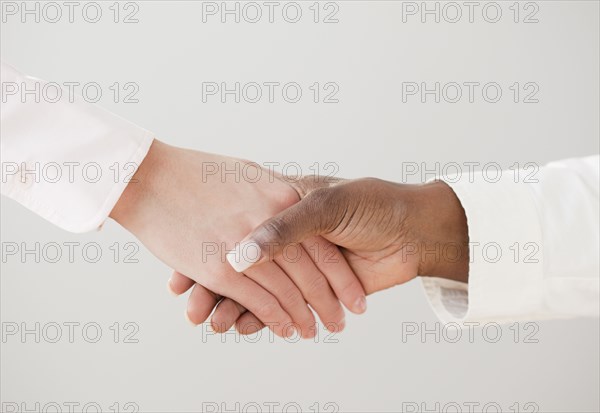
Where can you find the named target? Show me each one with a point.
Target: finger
(332, 263)
(256, 299)
(296, 262)
(248, 324)
(272, 278)
(200, 304)
(225, 315)
(300, 221)
(179, 283)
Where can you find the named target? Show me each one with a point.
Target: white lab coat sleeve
(534, 245)
(66, 160)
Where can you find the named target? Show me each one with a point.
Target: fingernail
(244, 255)
(187, 317)
(360, 305)
(214, 327)
(336, 327)
(173, 293)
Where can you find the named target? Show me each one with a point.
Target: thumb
(293, 225)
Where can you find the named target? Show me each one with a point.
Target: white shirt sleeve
(534, 245)
(66, 160)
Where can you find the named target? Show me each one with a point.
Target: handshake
(268, 252)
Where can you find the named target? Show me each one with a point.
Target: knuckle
(293, 297)
(305, 185)
(329, 206)
(267, 310)
(273, 231)
(349, 288)
(320, 196)
(317, 288)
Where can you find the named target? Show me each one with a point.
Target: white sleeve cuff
(67, 161)
(505, 254)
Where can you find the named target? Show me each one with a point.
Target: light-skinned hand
(189, 217)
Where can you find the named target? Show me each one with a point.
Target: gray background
(368, 53)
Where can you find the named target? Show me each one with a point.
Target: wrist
(139, 188)
(444, 239)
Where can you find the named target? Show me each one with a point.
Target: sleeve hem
(504, 284)
(97, 218)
